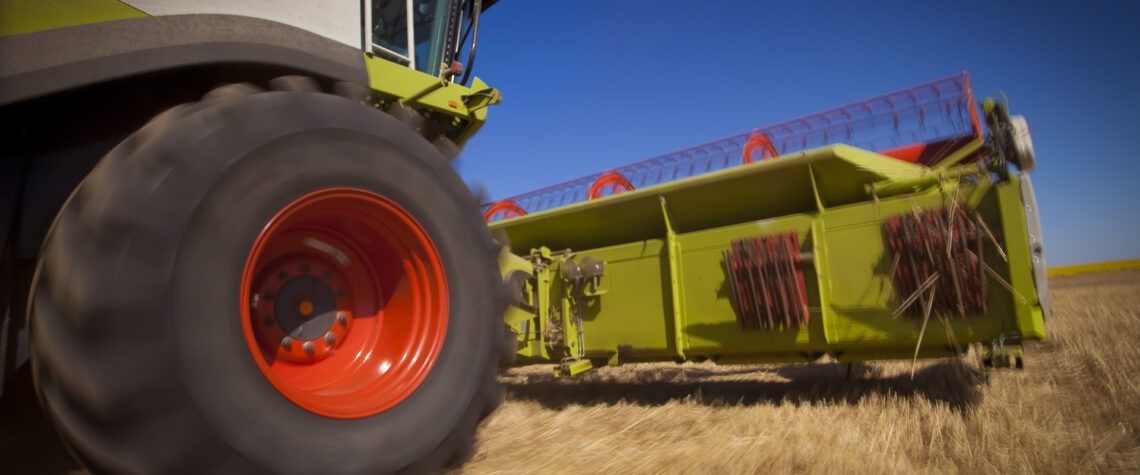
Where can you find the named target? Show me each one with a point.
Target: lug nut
(341, 318)
(309, 347)
(330, 338)
(286, 343)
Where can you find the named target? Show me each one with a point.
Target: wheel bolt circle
(289, 311)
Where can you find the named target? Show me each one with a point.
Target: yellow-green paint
(1094, 267)
(640, 261)
(27, 16)
(711, 323)
(668, 298)
(573, 367)
(468, 105)
(676, 288)
(1020, 268)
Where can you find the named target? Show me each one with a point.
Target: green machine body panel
(435, 98)
(464, 107)
(26, 16)
(666, 291)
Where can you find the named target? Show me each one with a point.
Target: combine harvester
(887, 228)
(231, 239)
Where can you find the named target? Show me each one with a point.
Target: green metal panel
(643, 265)
(712, 327)
(862, 300)
(1030, 319)
(27, 16)
(468, 106)
(668, 296)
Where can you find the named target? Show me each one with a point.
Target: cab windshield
(428, 31)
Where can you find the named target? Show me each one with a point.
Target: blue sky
(592, 85)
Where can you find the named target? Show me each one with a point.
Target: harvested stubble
(1074, 409)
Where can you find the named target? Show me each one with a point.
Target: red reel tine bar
(921, 124)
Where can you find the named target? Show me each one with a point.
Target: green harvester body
(666, 288)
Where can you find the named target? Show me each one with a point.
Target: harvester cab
(431, 27)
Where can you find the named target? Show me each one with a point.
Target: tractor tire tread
(82, 344)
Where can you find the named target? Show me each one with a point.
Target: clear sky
(591, 85)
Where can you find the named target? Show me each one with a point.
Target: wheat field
(1075, 408)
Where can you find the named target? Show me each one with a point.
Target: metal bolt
(330, 338)
(309, 347)
(341, 318)
(305, 268)
(286, 343)
(327, 275)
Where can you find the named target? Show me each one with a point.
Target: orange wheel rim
(344, 303)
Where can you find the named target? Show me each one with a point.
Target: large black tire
(139, 355)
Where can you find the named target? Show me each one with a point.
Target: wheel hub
(301, 310)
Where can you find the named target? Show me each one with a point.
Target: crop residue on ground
(1074, 409)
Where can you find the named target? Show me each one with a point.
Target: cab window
(390, 32)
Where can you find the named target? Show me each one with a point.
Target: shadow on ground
(952, 383)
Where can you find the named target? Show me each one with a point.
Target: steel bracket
(1004, 352)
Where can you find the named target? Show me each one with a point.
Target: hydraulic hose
(476, 10)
